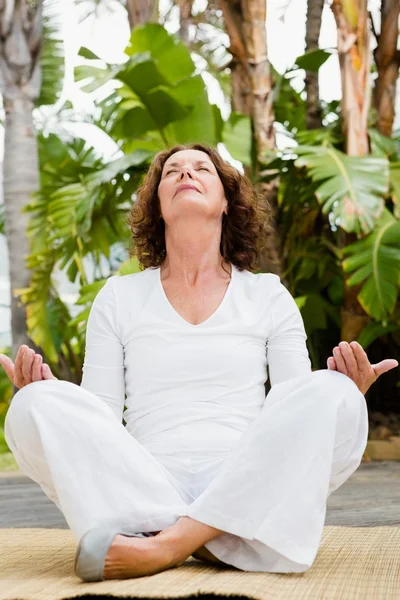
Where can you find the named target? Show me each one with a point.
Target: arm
(103, 369)
(287, 352)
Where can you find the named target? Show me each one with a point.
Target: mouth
(186, 187)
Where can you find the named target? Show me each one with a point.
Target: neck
(193, 257)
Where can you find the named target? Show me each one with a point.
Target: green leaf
(98, 76)
(86, 53)
(381, 145)
(199, 125)
(352, 187)
(129, 266)
(164, 108)
(52, 61)
(120, 165)
(395, 187)
(151, 141)
(375, 261)
(313, 59)
(141, 74)
(372, 331)
(289, 106)
(315, 310)
(218, 122)
(170, 54)
(237, 137)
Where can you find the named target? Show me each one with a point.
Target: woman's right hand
(28, 367)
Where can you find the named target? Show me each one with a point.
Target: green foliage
(237, 137)
(80, 210)
(313, 59)
(375, 262)
(374, 330)
(352, 187)
(289, 105)
(159, 100)
(321, 188)
(5, 399)
(52, 58)
(7, 461)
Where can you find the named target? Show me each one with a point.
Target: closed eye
(174, 170)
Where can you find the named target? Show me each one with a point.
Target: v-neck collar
(219, 308)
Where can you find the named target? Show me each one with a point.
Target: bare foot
(130, 557)
(136, 557)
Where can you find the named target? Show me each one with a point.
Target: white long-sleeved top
(191, 389)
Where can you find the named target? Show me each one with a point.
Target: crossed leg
(264, 510)
(70, 443)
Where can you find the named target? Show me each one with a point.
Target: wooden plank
(369, 498)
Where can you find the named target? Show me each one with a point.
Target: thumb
(384, 366)
(8, 366)
(46, 372)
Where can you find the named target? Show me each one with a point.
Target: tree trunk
(354, 59)
(245, 22)
(20, 80)
(141, 11)
(387, 59)
(355, 62)
(185, 19)
(313, 28)
(241, 88)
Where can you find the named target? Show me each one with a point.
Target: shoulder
(268, 294)
(121, 284)
(260, 283)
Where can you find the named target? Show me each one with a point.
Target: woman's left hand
(352, 360)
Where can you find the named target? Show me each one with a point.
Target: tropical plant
(80, 211)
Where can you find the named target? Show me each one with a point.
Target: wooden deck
(371, 497)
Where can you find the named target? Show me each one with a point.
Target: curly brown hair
(244, 228)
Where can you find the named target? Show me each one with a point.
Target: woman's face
(202, 195)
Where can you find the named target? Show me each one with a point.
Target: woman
(206, 465)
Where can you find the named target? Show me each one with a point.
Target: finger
(331, 362)
(384, 366)
(341, 365)
(27, 365)
(18, 375)
(8, 366)
(46, 372)
(349, 358)
(36, 368)
(361, 357)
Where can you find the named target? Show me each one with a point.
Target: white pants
(268, 496)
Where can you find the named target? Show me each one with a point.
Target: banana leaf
(375, 263)
(352, 187)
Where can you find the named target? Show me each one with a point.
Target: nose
(186, 169)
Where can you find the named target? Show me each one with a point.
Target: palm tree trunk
(355, 62)
(245, 22)
(313, 28)
(241, 88)
(141, 11)
(354, 59)
(387, 59)
(21, 25)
